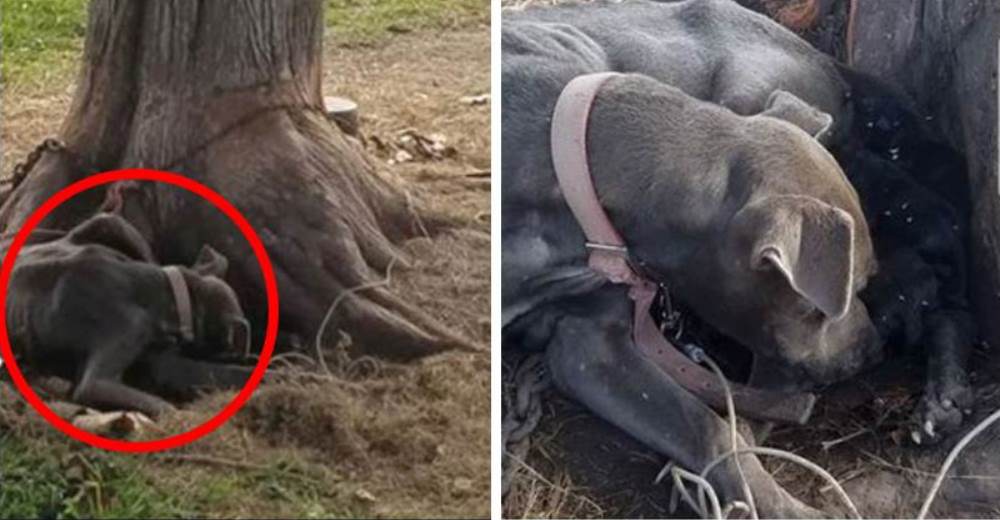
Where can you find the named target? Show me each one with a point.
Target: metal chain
(523, 411)
(54, 145)
(22, 169)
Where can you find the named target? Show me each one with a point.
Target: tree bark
(229, 93)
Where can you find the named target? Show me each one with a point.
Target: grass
(45, 478)
(42, 38)
(37, 483)
(355, 22)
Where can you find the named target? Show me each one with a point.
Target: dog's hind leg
(99, 383)
(592, 358)
(115, 232)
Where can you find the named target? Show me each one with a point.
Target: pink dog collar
(182, 299)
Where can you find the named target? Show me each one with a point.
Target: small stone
(402, 156)
(364, 495)
(462, 484)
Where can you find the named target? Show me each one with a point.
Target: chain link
(523, 411)
(22, 169)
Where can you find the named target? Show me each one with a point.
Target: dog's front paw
(940, 412)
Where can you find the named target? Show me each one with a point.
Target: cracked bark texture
(229, 93)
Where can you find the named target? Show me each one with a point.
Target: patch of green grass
(42, 38)
(60, 483)
(358, 22)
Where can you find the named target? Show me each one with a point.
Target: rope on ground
(705, 487)
(797, 459)
(337, 301)
(521, 416)
(925, 509)
(733, 432)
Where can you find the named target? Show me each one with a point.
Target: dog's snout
(868, 352)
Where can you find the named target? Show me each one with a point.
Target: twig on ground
(826, 445)
(920, 473)
(534, 473)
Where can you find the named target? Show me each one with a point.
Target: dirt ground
(380, 440)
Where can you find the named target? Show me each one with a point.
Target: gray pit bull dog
(748, 220)
(93, 307)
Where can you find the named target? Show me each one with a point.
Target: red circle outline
(270, 285)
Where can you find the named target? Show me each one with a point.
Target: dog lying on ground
(92, 307)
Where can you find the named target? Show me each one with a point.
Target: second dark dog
(918, 298)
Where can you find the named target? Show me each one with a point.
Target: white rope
(951, 460)
(733, 433)
(798, 459)
(705, 488)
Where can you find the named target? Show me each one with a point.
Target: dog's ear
(811, 244)
(788, 107)
(210, 262)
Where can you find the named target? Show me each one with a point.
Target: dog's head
(784, 271)
(219, 323)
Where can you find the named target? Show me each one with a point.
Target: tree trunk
(229, 93)
(944, 54)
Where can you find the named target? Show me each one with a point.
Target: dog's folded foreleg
(175, 374)
(592, 359)
(948, 396)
